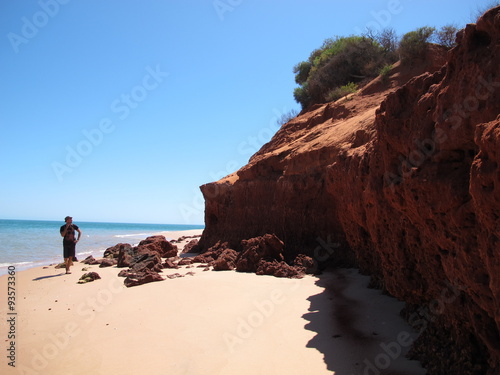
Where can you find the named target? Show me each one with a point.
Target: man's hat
(67, 217)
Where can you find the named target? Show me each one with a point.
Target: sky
(118, 110)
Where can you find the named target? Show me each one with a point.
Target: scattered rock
(149, 260)
(306, 263)
(91, 260)
(125, 273)
(114, 251)
(157, 244)
(267, 248)
(125, 256)
(188, 248)
(170, 264)
(211, 254)
(174, 275)
(143, 277)
(279, 269)
(108, 262)
(88, 277)
(226, 260)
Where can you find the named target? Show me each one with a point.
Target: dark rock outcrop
(107, 262)
(158, 244)
(211, 253)
(402, 181)
(264, 255)
(125, 256)
(91, 260)
(114, 251)
(144, 261)
(190, 247)
(226, 261)
(267, 248)
(170, 264)
(150, 261)
(278, 269)
(305, 263)
(141, 277)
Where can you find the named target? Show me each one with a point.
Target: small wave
(131, 235)
(14, 264)
(86, 252)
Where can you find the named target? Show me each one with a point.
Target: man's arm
(63, 232)
(79, 234)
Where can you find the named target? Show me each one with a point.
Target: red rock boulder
(190, 247)
(212, 253)
(143, 277)
(151, 261)
(125, 256)
(114, 251)
(157, 244)
(107, 262)
(267, 247)
(279, 269)
(226, 260)
(91, 260)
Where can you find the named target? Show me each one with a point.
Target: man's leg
(68, 263)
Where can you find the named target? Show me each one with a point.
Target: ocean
(31, 243)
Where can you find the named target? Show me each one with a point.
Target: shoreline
(207, 322)
(98, 253)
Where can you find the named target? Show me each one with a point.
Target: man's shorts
(69, 249)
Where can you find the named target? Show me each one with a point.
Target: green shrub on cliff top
(340, 92)
(385, 71)
(301, 71)
(338, 62)
(414, 43)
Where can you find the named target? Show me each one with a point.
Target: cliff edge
(401, 180)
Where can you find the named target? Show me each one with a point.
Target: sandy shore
(208, 323)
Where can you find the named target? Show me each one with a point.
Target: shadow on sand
(351, 322)
(48, 277)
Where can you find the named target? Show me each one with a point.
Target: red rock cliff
(402, 180)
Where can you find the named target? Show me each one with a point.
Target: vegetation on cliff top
(335, 69)
(343, 62)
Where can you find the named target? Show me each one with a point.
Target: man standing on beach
(69, 242)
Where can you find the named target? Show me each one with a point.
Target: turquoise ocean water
(31, 243)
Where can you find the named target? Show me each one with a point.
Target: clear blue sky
(119, 110)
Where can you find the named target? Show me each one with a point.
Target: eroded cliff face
(402, 180)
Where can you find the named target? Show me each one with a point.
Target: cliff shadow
(357, 328)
